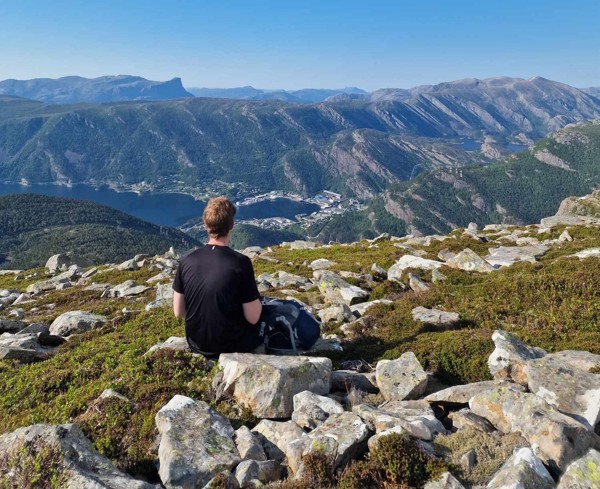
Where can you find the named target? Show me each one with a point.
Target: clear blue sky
(295, 44)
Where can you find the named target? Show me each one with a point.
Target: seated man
(215, 290)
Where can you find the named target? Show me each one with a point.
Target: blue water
(163, 209)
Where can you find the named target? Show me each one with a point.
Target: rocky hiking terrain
(463, 360)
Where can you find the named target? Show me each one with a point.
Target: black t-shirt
(216, 281)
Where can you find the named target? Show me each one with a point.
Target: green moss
(34, 465)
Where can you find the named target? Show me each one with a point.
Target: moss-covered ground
(553, 304)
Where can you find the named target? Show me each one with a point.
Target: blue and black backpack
(287, 326)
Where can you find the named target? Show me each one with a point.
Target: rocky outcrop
(434, 316)
(337, 291)
(312, 410)
(470, 261)
(57, 263)
(196, 443)
(557, 438)
(267, 384)
(583, 473)
(570, 390)
(80, 465)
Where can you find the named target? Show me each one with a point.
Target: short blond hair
(218, 217)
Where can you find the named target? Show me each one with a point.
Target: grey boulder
(337, 291)
(470, 261)
(73, 322)
(583, 473)
(524, 470)
(196, 443)
(312, 410)
(266, 384)
(508, 359)
(400, 379)
(434, 316)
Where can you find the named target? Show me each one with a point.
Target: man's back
(216, 281)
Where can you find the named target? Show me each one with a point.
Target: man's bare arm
(252, 311)
(179, 305)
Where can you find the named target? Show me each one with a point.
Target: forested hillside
(357, 147)
(34, 227)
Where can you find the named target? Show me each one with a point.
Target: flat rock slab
(85, 467)
(361, 309)
(522, 469)
(266, 384)
(589, 253)
(461, 394)
(572, 391)
(434, 316)
(196, 443)
(508, 359)
(73, 322)
(470, 261)
(557, 439)
(505, 256)
(127, 288)
(400, 379)
(410, 261)
(321, 264)
(24, 348)
(337, 291)
(583, 473)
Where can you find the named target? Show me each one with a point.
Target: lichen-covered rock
(508, 359)
(583, 473)
(524, 470)
(83, 467)
(336, 314)
(266, 384)
(196, 443)
(434, 316)
(176, 343)
(275, 436)
(400, 379)
(251, 473)
(409, 261)
(340, 438)
(73, 322)
(127, 288)
(362, 308)
(249, 445)
(312, 410)
(445, 481)
(505, 256)
(337, 291)
(557, 439)
(572, 391)
(470, 261)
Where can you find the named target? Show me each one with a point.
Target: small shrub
(396, 461)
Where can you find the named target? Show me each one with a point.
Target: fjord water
(169, 209)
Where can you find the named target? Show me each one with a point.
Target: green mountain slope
(521, 189)
(358, 147)
(34, 227)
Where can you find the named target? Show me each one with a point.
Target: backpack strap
(292, 338)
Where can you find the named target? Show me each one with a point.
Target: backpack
(287, 326)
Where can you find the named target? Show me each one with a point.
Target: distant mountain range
(304, 96)
(75, 89)
(357, 147)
